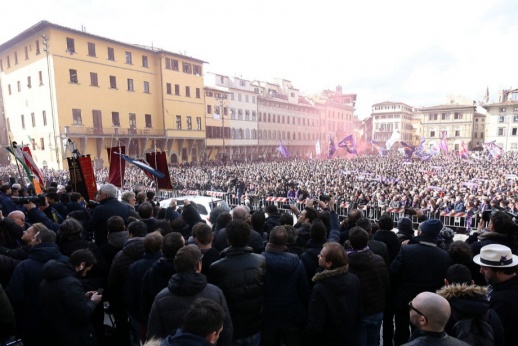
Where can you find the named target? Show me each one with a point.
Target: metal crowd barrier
(461, 222)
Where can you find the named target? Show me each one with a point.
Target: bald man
(429, 313)
(256, 240)
(19, 218)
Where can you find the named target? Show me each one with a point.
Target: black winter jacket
(107, 208)
(417, 268)
(422, 338)
(390, 239)
(65, 306)
(286, 290)
(132, 251)
(469, 301)
(155, 280)
(374, 279)
(240, 275)
(503, 298)
(334, 310)
(24, 288)
(172, 302)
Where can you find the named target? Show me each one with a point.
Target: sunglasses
(419, 312)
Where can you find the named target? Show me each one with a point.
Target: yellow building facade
(62, 85)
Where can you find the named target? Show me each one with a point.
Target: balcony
(110, 132)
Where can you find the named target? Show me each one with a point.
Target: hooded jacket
(334, 309)
(469, 301)
(132, 251)
(24, 287)
(286, 290)
(172, 302)
(240, 275)
(68, 312)
(374, 279)
(155, 280)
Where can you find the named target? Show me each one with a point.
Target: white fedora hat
(497, 256)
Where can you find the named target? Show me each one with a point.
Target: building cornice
(37, 28)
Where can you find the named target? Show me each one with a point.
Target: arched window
(265, 134)
(283, 134)
(233, 133)
(269, 117)
(254, 134)
(260, 134)
(269, 134)
(241, 134)
(279, 134)
(260, 115)
(274, 135)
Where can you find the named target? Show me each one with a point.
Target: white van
(204, 204)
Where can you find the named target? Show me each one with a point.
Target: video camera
(38, 200)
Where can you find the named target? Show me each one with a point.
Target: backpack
(474, 331)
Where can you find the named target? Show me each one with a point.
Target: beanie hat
(431, 228)
(271, 209)
(214, 213)
(404, 226)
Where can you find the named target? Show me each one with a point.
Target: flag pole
(156, 167)
(14, 145)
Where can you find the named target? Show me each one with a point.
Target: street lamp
(221, 98)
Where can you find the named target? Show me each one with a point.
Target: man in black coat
(157, 277)
(385, 235)
(255, 241)
(66, 306)
(134, 282)
(374, 279)
(286, 293)
(132, 251)
(468, 301)
(109, 206)
(417, 268)
(240, 275)
(23, 288)
(145, 211)
(499, 266)
(184, 287)
(335, 301)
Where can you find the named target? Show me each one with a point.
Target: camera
(38, 200)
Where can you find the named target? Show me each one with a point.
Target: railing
(110, 131)
(459, 222)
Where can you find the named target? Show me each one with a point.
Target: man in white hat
(499, 265)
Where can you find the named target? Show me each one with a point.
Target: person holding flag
(283, 151)
(377, 146)
(463, 152)
(443, 144)
(349, 144)
(332, 147)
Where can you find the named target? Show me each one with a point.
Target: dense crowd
(271, 278)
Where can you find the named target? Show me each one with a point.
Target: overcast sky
(416, 52)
